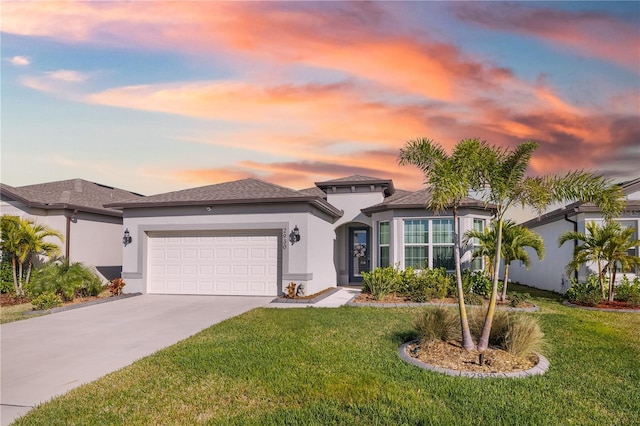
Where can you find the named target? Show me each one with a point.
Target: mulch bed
(611, 305)
(9, 300)
(453, 356)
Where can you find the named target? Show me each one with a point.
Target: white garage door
(213, 264)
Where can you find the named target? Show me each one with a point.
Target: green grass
(15, 313)
(340, 366)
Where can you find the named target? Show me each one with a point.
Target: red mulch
(612, 305)
(9, 300)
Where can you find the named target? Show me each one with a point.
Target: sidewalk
(335, 300)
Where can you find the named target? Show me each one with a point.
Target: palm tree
(504, 173)
(616, 254)
(591, 249)
(34, 237)
(514, 240)
(10, 243)
(22, 239)
(486, 245)
(450, 178)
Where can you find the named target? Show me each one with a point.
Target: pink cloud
(593, 34)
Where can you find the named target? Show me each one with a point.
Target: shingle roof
(245, 191)
(416, 199)
(387, 184)
(72, 193)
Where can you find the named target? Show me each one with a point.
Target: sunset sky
(160, 96)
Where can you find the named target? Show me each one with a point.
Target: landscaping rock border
(591, 308)
(307, 301)
(539, 369)
(351, 302)
(82, 305)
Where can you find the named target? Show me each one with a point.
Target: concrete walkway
(47, 356)
(335, 300)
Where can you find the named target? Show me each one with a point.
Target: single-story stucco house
(550, 273)
(251, 237)
(75, 207)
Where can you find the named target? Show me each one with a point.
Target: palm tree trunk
(29, 266)
(19, 291)
(613, 281)
(601, 277)
(503, 296)
(15, 276)
(483, 342)
(467, 341)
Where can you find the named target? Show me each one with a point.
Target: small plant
(480, 284)
(116, 286)
(585, 293)
(293, 290)
(69, 280)
(517, 299)
(46, 300)
(437, 324)
(628, 291)
(430, 284)
(473, 299)
(380, 282)
(523, 336)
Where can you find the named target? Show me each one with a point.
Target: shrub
(480, 284)
(6, 276)
(523, 336)
(406, 281)
(473, 299)
(520, 335)
(516, 299)
(628, 291)
(430, 284)
(380, 282)
(585, 293)
(67, 280)
(46, 300)
(116, 286)
(437, 323)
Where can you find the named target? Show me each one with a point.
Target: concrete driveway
(47, 356)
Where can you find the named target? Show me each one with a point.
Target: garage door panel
(229, 265)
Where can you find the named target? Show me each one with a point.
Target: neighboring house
(550, 273)
(250, 237)
(92, 233)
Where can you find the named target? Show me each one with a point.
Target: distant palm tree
(485, 242)
(450, 178)
(21, 240)
(592, 248)
(609, 244)
(514, 240)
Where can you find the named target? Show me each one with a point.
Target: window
(443, 244)
(633, 251)
(476, 264)
(383, 244)
(416, 243)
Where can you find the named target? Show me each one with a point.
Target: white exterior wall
(550, 273)
(307, 262)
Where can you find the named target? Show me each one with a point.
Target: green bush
(516, 299)
(430, 284)
(628, 291)
(523, 336)
(406, 282)
(480, 284)
(473, 299)
(380, 282)
(65, 279)
(46, 300)
(585, 293)
(437, 323)
(6, 276)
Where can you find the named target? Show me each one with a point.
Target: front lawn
(340, 366)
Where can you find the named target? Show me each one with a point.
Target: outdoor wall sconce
(294, 236)
(126, 239)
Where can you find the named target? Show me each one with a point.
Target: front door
(359, 253)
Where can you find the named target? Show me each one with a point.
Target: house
(92, 233)
(550, 273)
(251, 237)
